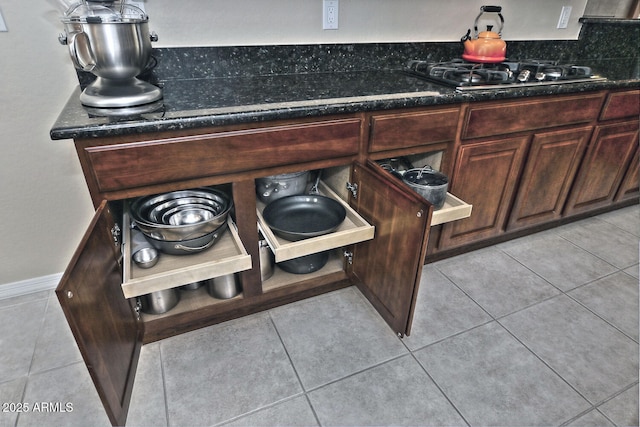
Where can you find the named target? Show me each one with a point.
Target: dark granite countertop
(212, 86)
(196, 103)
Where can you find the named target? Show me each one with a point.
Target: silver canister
(267, 260)
(159, 302)
(193, 286)
(142, 251)
(224, 287)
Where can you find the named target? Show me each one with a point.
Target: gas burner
(474, 76)
(470, 77)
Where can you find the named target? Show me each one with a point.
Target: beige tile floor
(538, 331)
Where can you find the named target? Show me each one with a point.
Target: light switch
(3, 25)
(565, 14)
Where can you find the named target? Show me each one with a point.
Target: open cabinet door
(103, 322)
(387, 269)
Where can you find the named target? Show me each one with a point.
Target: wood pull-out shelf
(354, 229)
(226, 256)
(453, 209)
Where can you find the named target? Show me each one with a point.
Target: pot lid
(425, 176)
(96, 12)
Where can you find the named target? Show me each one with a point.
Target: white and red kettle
(486, 46)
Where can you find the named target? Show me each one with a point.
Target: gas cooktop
(465, 76)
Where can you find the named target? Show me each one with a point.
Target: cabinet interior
(454, 208)
(228, 256)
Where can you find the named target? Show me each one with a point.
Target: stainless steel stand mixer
(111, 39)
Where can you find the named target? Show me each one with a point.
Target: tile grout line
(545, 363)
(566, 294)
(637, 236)
(497, 320)
(33, 355)
(581, 414)
(424, 369)
(593, 406)
(601, 318)
(164, 385)
(617, 270)
(293, 366)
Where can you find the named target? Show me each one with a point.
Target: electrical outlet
(565, 14)
(330, 14)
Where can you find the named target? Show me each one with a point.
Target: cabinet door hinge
(116, 233)
(138, 308)
(353, 188)
(349, 256)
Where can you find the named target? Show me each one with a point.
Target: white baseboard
(29, 286)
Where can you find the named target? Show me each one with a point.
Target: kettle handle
(495, 9)
(78, 62)
(466, 36)
(488, 9)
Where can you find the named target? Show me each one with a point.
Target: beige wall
(361, 21)
(43, 199)
(44, 206)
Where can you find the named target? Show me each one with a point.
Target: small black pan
(303, 216)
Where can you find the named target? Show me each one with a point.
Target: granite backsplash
(610, 47)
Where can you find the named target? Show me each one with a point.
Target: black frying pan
(303, 216)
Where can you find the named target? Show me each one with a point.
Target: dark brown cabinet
(105, 325)
(528, 163)
(527, 115)
(485, 176)
(604, 167)
(110, 329)
(629, 189)
(515, 162)
(419, 128)
(380, 276)
(551, 166)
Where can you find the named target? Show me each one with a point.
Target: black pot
(430, 184)
(305, 264)
(300, 217)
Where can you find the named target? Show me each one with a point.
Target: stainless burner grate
(473, 76)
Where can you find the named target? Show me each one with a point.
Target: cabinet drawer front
(158, 161)
(503, 118)
(621, 104)
(419, 128)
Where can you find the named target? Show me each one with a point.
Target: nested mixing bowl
(181, 215)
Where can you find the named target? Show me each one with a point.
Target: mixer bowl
(111, 50)
(114, 47)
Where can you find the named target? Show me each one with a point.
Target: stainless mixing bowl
(113, 43)
(182, 230)
(162, 212)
